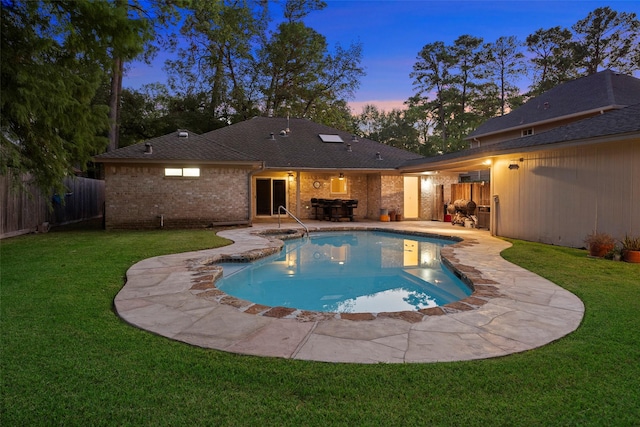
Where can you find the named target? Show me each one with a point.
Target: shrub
(631, 243)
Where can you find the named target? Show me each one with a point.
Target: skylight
(330, 138)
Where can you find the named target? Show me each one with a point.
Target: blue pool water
(349, 272)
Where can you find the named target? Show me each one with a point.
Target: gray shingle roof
(250, 141)
(173, 147)
(603, 90)
(615, 122)
(302, 147)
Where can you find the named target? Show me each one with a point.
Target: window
(339, 185)
(527, 132)
(186, 172)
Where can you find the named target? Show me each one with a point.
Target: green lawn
(67, 359)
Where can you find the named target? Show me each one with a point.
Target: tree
(291, 63)
(394, 128)
(419, 114)
(156, 16)
(219, 57)
(54, 56)
(504, 64)
(247, 71)
(370, 122)
(606, 39)
(448, 78)
(468, 60)
(336, 114)
(432, 75)
(552, 62)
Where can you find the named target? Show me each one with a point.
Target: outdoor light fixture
(290, 177)
(341, 177)
(513, 164)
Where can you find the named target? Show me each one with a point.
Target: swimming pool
(349, 272)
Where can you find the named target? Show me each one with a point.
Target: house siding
(559, 196)
(140, 196)
(517, 133)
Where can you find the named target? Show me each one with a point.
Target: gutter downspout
(250, 192)
(298, 204)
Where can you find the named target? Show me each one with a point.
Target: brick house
(243, 173)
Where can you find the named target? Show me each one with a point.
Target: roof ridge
(609, 87)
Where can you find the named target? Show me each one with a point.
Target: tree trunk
(114, 103)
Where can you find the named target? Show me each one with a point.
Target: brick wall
(137, 196)
(356, 189)
(392, 193)
(428, 193)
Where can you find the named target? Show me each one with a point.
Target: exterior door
(270, 194)
(279, 192)
(411, 193)
(438, 207)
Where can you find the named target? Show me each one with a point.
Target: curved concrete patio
(511, 310)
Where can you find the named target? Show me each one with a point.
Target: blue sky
(393, 32)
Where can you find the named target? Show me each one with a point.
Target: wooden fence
(478, 192)
(28, 211)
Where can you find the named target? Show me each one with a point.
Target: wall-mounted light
(290, 177)
(341, 176)
(513, 164)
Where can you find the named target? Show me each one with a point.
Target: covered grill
(461, 211)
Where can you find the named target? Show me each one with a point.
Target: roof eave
(331, 169)
(600, 110)
(474, 158)
(178, 161)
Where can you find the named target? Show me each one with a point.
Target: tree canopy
(62, 63)
(54, 58)
(460, 85)
(246, 70)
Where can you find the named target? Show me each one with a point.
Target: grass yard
(67, 359)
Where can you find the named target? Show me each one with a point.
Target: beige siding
(517, 133)
(560, 196)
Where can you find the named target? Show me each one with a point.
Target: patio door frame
(270, 192)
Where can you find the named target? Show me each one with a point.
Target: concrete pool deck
(512, 309)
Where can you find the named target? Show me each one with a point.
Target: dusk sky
(393, 32)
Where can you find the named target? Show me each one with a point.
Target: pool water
(349, 272)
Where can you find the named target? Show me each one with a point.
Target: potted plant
(631, 249)
(614, 254)
(599, 244)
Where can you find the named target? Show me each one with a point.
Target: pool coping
(511, 309)
(208, 272)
